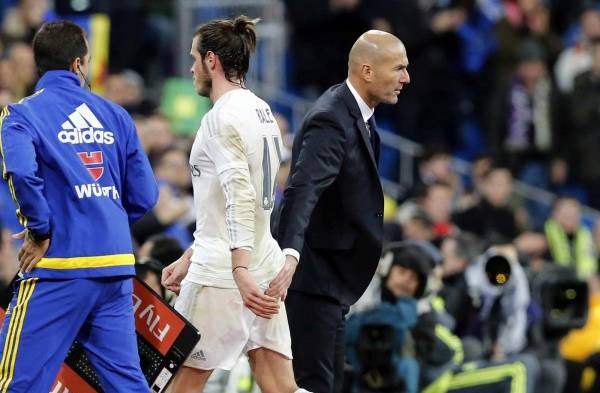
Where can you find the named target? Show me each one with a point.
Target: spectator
(127, 89)
(436, 165)
(576, 59)
(419, 226)
(474, 186)
(19, 74)
(23, 20)
(492, 218)
(569, 242)
(501, 321)
(523, 126)
(458, 252)
(162, 248)
(437, 204)
(155, 134)
(394, 294)
(584, 104)
(525, 20)
(174, 210)
(149, 271)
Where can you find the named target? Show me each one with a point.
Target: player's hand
(279, 286)
(31, 251)
(259, 303)
(173, 274)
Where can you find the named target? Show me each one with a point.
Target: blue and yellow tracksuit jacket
(77, 171)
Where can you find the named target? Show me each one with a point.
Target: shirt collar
(57, 77)
(365, 110)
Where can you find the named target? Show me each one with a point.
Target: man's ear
(210, 60)
(367, 72)
(75, 65)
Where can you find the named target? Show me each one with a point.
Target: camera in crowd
(552, 301)
(563, 299)
(497, 269)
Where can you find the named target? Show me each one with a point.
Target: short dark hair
(233, 40)
(165, 249)
(57, 44)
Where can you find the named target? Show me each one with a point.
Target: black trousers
(317, 326)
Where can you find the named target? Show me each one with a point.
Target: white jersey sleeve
(228, 151)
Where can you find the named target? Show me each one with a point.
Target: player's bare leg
(189, 380)
(273, 372)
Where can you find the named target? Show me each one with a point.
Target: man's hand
(279, 286)
(260, 304)
(31, 251)
(498, 353)
(173, 274)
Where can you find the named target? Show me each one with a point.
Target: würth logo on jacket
(84, 127)
(91, 160)
(94, 163)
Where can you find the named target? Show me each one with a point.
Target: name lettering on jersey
(265, 116)
(84, 127)
(195, 170)
(95, 190)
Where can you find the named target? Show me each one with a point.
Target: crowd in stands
(512, 86)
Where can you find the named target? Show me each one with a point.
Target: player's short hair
(57, 44)
(233, 40)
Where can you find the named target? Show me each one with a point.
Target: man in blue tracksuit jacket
(79, 177)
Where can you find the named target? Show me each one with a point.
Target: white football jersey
(234, 162)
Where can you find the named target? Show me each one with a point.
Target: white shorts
(228, 328)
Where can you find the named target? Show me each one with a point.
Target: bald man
(331, 221)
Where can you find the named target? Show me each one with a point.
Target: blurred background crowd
(495, 142)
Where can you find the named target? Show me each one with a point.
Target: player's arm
(140, 191)
(228, 151)
(26, 186)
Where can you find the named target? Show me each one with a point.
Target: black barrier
(165, 339)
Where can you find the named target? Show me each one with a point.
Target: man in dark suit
(331, 219)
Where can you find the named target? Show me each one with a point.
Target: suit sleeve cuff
(292, 252)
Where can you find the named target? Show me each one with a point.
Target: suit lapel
(360, 124)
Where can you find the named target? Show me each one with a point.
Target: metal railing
(408, 151)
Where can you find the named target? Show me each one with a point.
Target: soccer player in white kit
(222, 278)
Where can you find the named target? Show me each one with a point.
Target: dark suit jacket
(332, 209)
